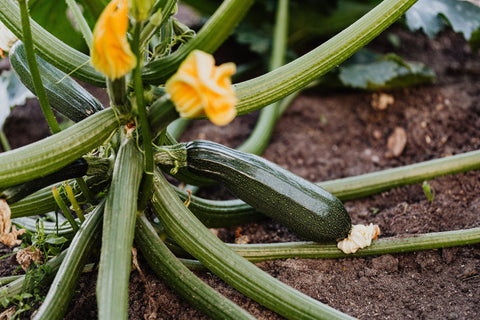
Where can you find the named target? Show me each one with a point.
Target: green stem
(162, 13)
(260, 136)
(52, 49)
(8, 279)
(117, 92)
(63, 287)
(16, 287)
(32, 64)
(81, 22)
(189, 233)
(375, 182)
(118, 231)
(85, 191)
(281, 82)
(54, 152)
(4, 141)
(147, 181)
(177, 276)
(66, 212)
(311, 250)
(208, 39)
(42, 201)
(428, 241)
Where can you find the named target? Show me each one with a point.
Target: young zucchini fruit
(64, 94)
(303, 207)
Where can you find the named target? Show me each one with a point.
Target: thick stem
(177, 276)
(188, 232)
(118, 231)
(281, 82)
(260, 136)
(147, 181)
(428, 241)
(32, 64)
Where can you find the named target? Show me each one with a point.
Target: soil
(325, 136)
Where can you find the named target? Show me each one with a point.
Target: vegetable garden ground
(325, 136)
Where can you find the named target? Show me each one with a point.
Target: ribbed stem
(32, 64)
(52, 153)
(189, 233)
(118, 231)
(178, 277)
(434, 240)
(375, 182)
(260, 136)
(279, 83)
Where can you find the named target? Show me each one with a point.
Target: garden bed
(324, 136)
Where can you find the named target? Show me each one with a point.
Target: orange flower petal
(199, 87)
(111, 53)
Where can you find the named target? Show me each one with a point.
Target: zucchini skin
(303, 207)
(75, 169)
(64, 94)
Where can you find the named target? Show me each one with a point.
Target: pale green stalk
(81, 22)
(375, 182)
(118, 231)
(427, 241)
(260, 136)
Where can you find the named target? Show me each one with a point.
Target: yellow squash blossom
(199, 87)
(111, 53)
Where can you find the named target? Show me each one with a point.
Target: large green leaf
(53, 16)
(433, 15)
(367, 70)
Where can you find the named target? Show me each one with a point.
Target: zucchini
(76, 169)
(64, 94)
(303, 207)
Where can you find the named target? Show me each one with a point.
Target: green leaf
(54, 17)
(55, 240)
(367, 70)
(12, 93)
(432, 15)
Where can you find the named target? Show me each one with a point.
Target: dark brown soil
(439, 120)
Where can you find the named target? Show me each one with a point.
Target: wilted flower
(7, 39)
(27, 255)
(360, 237)
(111, 53)
(8, 237)
(199, 87)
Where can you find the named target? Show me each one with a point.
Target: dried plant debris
(8, 237)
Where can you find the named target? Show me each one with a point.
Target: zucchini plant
(112, 161)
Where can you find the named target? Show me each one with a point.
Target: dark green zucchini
(303, 207)
(64, 94)
(78, 168)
